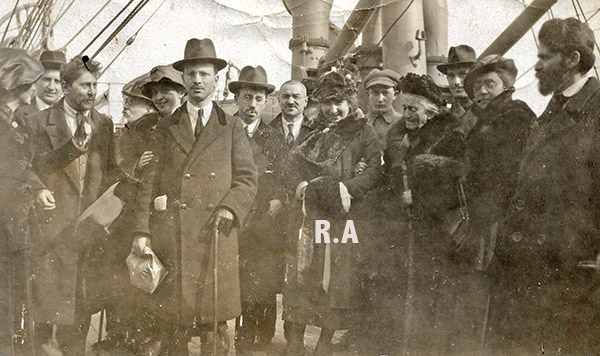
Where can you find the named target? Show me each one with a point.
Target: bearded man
(546, 256)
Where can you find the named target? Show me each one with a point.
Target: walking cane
(215, 289)
(410, 285)
(99, 350)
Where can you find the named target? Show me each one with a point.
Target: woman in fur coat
(324, 286)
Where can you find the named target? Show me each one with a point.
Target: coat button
(520, 204)
(212, 176)
(183, 206)
(541, 239)
(210, 207)
(516, 236)
(253, 211)
(187, 176)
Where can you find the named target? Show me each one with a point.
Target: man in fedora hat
(47, 89)
(460, 60)
(260, 266)
(203, 177)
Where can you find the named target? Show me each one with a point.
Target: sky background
(253, 32)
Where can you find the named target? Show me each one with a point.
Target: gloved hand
(222, 220)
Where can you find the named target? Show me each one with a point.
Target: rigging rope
(105, 27)
(132, 38)
(86, 25)
(28, 21)
(9, 21)
(63, 13)
(39, 24)
(131, 15)
(595, 42)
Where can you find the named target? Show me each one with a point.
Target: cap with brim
(162, 75)
(251, 77)
(386, 77)
(200, 51)
(53, 59)
(459, 56)
(504, 67)
(18, 68)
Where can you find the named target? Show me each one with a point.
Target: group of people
(475, 223)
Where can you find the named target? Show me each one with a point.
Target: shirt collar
(72, 112)
(574, 88)
(389, 116)
(193, 111)
(252, 127)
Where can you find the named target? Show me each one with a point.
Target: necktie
(289, 139)
(247, 129)
(199, 125)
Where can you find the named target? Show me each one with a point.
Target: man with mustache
(260, 245)
(47, 89)
(546, 258)
(75, 159)
(202, 177)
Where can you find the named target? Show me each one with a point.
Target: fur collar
(323, 146)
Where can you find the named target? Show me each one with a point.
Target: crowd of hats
(18, 68)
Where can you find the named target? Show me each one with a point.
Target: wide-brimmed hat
(386, 77)
(53, 59)
(18, 68)
(134, 87)
(160, 75)
(459, 56)
(200, 51)
(505, 67)
(251, 77)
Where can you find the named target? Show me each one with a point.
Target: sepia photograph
(299, 178)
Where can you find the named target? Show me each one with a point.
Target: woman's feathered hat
(337, 84)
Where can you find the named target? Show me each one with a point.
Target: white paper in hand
(145, 271)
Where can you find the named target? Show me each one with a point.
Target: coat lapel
(543, 132)
(57, 128)
(59, 133)
(182, 130)
(214, 128)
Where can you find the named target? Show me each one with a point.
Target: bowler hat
(505, 67)
(200, 51)
(253, 77)
(461, 55)
(162, 75)
(18, 68)
(386, 77)
(53, 59)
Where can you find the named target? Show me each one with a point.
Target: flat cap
(385, 77)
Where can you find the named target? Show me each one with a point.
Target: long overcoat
(58, 254)
(198, 175)
(261, 245)
(544, 293)
(344, 145)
